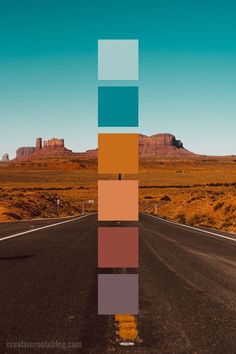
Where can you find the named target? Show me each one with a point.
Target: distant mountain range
(163, 144)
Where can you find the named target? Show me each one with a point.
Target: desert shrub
(181, 218)
(166, 198)
(192, 199)
(229, 209)
(4, 195)
(196, 219)
(210, 221)
(219, 193)
(13, 215)
(227, 223)
(218, 206)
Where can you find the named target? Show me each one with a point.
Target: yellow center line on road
(127, 331)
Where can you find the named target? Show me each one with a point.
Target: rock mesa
(155, 145)
(163, 144)
(53, 147)
(5, 157)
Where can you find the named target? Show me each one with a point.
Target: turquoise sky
(48, 69)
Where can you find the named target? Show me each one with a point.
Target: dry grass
(197, 191)
(28, 191)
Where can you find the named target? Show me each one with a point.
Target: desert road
(48, 288)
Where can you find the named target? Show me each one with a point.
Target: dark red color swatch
(118, 247)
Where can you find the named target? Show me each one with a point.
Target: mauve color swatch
(118, 247)
(118, 200)
(117, 294)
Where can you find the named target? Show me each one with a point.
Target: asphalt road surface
(48, 289)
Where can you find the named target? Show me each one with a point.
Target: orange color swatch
(117, 153)
(118, 200)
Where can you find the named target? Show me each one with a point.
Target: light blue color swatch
(118, 106)
(118, 59)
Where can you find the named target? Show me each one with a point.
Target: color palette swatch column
(118, 199)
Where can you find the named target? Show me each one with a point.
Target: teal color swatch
(118, 106)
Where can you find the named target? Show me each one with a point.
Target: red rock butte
(48, 148)
(159, 144)
(163, 144)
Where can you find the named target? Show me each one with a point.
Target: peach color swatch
(118, 200)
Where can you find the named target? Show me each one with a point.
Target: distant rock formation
(25, 151)
(54, 143)
(91, 152)
(52, 147)
(156, 145)
(5, 157)
(161, 144)
(39, 143)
